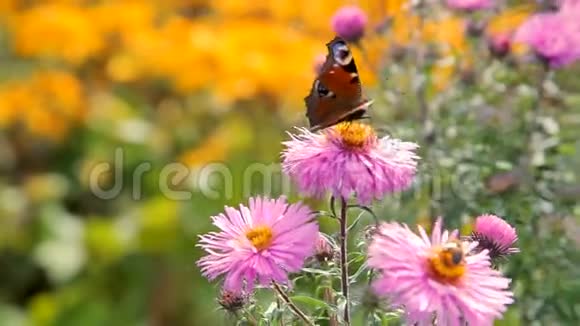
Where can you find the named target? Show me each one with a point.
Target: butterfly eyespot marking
(341, 53)
(322, 91)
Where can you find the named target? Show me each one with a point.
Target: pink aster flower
(349, 159)
(495, 235)
(263, 242)
(349, 22)
(555, 37)
(437, 277)
(470, 4)
(570, 6)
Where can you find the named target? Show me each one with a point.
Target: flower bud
(499, 45)
(232, 301)
(324, 250)
(349, 22)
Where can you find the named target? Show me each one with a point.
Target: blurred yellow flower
(56, 31)
(370, 57)
(307, 15)
(508, 20)
(442, 73)
(404, 27)
(447, 33)
(8, 7)
(311, 15)
(10, 95)
(231, 135)
(233, 8)
(278, 62)
(62, 92)
(238, 52)
(214, 149)
(122, 18)
(183, 54)
(48, 103)
(393, 7)
(123, 67)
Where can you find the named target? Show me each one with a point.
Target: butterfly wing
(336, 94)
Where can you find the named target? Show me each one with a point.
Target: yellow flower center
(354, 134)
(447, 264)
(260, 237)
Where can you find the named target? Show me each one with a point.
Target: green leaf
(311, 302)
(358, 273)
(271, 311)
(355, 222)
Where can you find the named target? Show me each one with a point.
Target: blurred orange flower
(448, 34)
(508, 20)
(56, 31)
(48, 103)
(213, 149)
(232, 135)
(404, 27)
(8, 7)
(231, 50)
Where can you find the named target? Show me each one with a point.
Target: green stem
(251, 319)
(344, 280)
(291, 304)
(329, 297)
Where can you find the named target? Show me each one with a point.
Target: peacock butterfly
(336, 93)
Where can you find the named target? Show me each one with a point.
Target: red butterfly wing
(336, 94)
